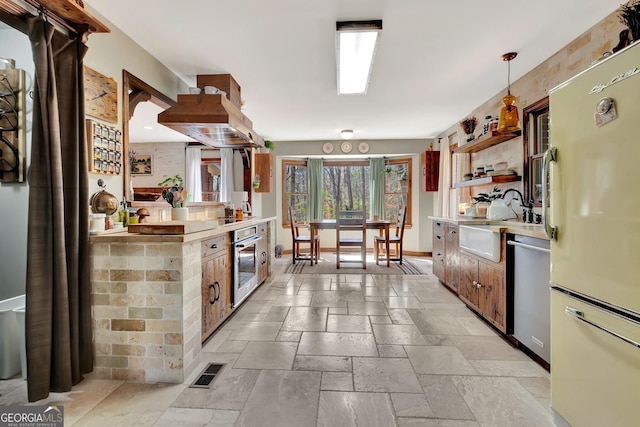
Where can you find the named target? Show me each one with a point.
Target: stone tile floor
(334, 350)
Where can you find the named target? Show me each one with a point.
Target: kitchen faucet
(527, 213)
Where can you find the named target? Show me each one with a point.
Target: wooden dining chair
(354, 224)
(393, 240)
(298, 239)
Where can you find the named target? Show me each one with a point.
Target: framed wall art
(141, 164)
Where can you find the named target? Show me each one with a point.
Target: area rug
(327, 265)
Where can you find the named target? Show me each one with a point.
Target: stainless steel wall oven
(245, 264)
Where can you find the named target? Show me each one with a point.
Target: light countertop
(513, 227)
(215, 229)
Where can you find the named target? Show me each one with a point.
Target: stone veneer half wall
(146, 310)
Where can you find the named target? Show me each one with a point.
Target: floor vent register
(207, 376)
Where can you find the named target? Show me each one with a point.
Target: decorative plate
(363, 147)
(346, 147)
(327, 148)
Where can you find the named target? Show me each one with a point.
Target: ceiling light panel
(356, 43)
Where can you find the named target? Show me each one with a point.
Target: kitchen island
(147, 292)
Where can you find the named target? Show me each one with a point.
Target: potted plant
(176, 196)
(483, 200)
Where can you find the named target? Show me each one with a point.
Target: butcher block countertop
(513, 227)
(176, 231)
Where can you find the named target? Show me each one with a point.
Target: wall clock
(363, 147)
(346, 147)
(327, 148)
(100, 96)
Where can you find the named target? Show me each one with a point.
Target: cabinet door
(263, 167)
(467, 290)
(452, 258)
(209, 302)
(438, 254)
(263, 261)
(492, 299)
(221, 283)
(430, 162)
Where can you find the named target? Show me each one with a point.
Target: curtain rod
(35, 8)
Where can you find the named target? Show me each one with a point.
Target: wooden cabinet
(216, 291)
(446, 253)
(482, 287)
(263, 253)
(438, 250)
(452, 257)
(430, 167)
(263, 168)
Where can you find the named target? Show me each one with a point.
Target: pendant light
(509, 118)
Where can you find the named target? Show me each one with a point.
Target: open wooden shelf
(486, 141)
(488, 180)
(75, 15)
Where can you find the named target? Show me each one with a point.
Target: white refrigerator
(592, 171)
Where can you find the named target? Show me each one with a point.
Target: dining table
(330, 224)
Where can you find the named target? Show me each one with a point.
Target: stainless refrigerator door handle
(549, 156)
(525, 246)
(577, 314)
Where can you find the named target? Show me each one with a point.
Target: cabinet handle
(478, 285)
(453, 232)
(438, 224)
(215, 296)
(438, 237)
(217, 293)
(438, 254)
(214, 246)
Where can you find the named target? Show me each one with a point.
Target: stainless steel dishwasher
(531, 294)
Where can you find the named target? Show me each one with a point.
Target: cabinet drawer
(214, 245)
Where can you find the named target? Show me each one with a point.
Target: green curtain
(376, 168)
(314, 172)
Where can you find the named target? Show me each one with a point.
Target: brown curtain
(58, 317)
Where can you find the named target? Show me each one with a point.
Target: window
(536, 142)
(397, 188)
(347, 180)
(350, 181)
(295, 190)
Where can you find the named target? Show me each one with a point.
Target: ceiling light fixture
(509, 120)
(355, 48)
(346, 134)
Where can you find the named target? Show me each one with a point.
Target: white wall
(418, 238)
(13, 219)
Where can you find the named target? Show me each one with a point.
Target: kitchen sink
(481, 240)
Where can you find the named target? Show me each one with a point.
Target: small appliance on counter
(240, 199)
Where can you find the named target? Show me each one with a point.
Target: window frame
(285, 195)
(531, 141)
(348, 162)
(409, 162)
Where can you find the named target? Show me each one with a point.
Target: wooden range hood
(214, 120)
